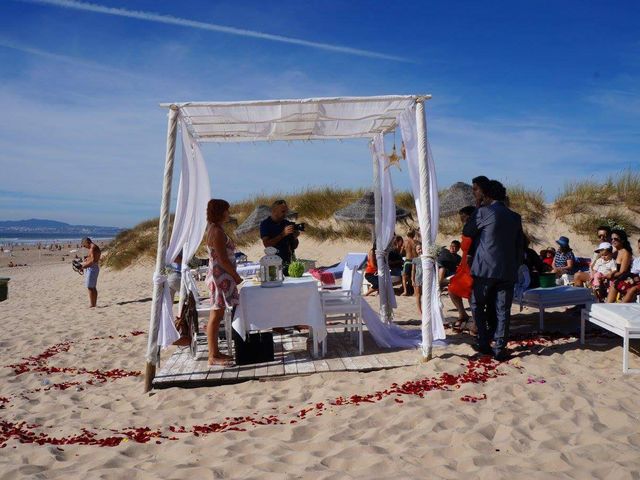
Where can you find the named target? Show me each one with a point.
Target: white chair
(203, 307)
(342, 309)
(623, 319)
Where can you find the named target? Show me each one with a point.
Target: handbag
(187, 324)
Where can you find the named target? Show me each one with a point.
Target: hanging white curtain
(385, 225)
(408, 126)
(188, 226)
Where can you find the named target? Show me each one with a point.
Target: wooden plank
(173, 373)
(321, 365)
(276, 368)
(304, 362)
(346, 358)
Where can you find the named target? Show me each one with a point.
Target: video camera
(76, 264)
(299, 227)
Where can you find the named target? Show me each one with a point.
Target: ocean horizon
(32, 238)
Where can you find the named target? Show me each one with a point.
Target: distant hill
(52, 227)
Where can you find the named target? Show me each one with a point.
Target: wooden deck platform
(292, 357)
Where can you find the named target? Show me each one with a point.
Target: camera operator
(276, 231)
(91, 267)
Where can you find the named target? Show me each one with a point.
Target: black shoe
(482, 350)
(503, 355)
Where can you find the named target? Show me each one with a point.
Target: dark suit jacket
(498, 242)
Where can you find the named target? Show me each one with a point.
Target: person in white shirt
(602, 269)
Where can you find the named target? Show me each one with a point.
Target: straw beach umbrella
(252, 222)
(455, 197)
(363, 210)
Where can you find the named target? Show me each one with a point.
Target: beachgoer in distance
(410, 254)
(276, 231)
(416, 277)
(604, 235)
(499, 245)
(624, 258)
(91, 267)
(222, 276)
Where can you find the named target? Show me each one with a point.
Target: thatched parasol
(363, 210)
(252, 222)
(455, 197)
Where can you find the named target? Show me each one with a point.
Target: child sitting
(602, 269)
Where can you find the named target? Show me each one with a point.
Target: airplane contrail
(58, 57)
(183, 22)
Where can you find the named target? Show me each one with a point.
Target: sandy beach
(72, 404)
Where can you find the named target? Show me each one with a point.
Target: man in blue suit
(498, 253)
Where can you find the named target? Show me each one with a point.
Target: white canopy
(305, 119)
(302, 119)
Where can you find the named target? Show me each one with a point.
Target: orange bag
(462, 282)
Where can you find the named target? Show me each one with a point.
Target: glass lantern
(271, 274)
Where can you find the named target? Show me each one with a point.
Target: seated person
(602, 269)
(448, 260)
(626, 278)
(534, 264)
(396, 261)
(564, 261)
(604, 236)
(371, 271)
(547, 256)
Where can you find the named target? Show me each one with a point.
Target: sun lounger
(564, 296)
(623, 319)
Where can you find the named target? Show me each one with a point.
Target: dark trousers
(491, 307)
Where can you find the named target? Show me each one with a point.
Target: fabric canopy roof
(306, 119)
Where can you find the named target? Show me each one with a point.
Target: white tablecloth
(295, 302)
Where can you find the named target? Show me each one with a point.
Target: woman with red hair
(222, 277)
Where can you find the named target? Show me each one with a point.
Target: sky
(536, 93)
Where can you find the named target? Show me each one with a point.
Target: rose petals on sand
(477, 371)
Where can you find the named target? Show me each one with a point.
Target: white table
(295, 302)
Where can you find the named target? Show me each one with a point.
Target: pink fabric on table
(326, 278)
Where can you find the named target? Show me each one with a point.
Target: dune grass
(132, 244)
(580, 197)
(529, 204)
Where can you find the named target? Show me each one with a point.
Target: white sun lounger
(623, 319)
(563, 296)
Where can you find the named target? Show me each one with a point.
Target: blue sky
(536, 93)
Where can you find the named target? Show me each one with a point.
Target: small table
(295, 302)
(564, 296)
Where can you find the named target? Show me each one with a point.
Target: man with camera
(91, 267)
(278, 232)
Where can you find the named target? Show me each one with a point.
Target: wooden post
(428, 264)
(153, 352)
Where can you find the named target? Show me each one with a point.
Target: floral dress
(223, 288)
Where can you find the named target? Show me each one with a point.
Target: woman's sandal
(459, 325)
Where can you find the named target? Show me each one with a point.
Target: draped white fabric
(189, 224)
(307, 119)
(409, 130)
(384, 228)
(390, 335)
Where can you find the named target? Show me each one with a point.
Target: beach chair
(353, 259)
(342, 309)
(623, 319)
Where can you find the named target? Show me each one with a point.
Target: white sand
(561, 411)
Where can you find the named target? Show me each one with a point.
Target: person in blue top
(278, 232)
